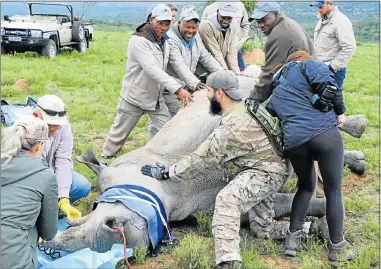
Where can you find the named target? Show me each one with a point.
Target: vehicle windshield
(46, 10)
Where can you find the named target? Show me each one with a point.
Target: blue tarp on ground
(84, 258)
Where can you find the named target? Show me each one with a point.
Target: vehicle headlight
(45, 35)
(2, 31)
(35, 33)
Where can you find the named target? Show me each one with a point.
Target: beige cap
(52, 108)
(35, 128)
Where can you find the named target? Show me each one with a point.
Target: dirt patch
(22, 84)
(355, 182)
(278, 262)
(256, 56)
(99, 143)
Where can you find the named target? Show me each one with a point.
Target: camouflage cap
(35, 128)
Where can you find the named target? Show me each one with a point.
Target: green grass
(90, 84)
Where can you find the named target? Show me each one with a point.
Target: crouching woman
(309, 105)
(29, 195)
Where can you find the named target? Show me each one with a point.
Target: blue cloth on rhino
(146, 204)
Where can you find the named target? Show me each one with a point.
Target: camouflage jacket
(237, 144)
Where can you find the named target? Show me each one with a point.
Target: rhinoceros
(179, 137)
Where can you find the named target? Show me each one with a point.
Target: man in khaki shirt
(334, 39)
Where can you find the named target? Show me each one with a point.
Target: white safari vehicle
(44, 33)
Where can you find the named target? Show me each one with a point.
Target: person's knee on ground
(79, 188)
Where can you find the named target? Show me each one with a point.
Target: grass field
(90, 84)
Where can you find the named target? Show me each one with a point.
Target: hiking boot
(338, 253)
(230, 265)
(320, 228)
(293, 243)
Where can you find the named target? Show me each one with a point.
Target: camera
(324, 101)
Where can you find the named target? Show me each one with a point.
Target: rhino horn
(79, 221)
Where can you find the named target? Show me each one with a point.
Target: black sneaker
(230, 265)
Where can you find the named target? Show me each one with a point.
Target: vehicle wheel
(82, 47)
(50, 50)
(78, 32)
(4, 50)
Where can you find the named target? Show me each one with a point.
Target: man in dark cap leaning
(284, 37)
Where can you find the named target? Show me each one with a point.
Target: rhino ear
(79, 221)
(114, 222)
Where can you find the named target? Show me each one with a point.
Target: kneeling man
(246, 155)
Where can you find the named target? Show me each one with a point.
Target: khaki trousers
(126, 119)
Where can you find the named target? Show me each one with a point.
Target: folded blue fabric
(143, 202)
(86, 258)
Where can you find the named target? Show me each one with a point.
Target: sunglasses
(53, 113)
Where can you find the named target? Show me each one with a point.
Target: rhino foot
(354, 125)
(355, 160)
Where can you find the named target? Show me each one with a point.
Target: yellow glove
(68, 210)
(40, 240)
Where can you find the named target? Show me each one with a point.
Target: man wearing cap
(145, 81)
(242, 19)
(58, 151)
(334, 39)
(242, 150)
(284, 37)
(186, 51)
(221, 35)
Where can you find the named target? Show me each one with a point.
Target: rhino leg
(283, 205)
(354, 125)
(355, 160)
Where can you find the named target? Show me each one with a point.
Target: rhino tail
(91, 161)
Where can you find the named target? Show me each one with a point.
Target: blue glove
(157, 171)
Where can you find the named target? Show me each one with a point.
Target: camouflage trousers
(249, 189)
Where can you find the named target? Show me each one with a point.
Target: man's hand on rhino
(200, 86)
(157, 171)
(185, 97)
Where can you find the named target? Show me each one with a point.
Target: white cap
(162, 13)
(52, 103)
(189, 13)
(227, 9)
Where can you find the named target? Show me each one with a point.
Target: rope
(50, 252)
(124, 244)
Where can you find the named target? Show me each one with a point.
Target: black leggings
(328, 150)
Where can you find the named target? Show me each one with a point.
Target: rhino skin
(179, 137)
